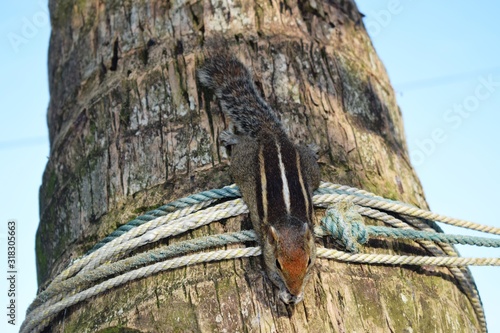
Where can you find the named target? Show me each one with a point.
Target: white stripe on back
(286, 190)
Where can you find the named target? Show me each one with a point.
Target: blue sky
(24, 143)
(438, 57)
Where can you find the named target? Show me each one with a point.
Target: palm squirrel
(275, 176)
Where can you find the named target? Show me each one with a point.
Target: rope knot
(345, 224)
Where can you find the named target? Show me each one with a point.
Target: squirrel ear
(273, 234)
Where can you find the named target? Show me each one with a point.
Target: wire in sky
(24, 142)
(447, 79)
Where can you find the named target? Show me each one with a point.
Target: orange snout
(294, 268)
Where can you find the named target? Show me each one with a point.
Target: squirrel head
(289, 257)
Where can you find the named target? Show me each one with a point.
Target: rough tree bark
(130, 129)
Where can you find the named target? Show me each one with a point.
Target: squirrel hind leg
(309, 164)
(228, 138)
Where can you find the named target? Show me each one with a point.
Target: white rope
(462, 274)
(191, 217)
(42, 313)
(47, 312)
(108, 251)
(399, 208)
(175, 227)
(390, 259)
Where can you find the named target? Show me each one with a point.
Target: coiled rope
(343, 222)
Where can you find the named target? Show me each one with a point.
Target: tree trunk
(131, 129)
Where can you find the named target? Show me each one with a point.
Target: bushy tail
(233, 85)
(221, 70)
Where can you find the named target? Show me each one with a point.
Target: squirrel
(276, 177)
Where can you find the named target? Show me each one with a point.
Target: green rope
(79, 282)
(344, 223)
(228, 192)
(211, 195)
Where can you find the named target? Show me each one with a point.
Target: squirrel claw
(288, 298)
(315, 149)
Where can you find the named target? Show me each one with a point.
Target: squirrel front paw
(315, 149)
(288, 298)
(227, 138)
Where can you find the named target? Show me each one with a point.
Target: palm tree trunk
(130, 129)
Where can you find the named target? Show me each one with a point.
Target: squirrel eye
(278, 264)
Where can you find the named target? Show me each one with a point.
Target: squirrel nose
(295, 290)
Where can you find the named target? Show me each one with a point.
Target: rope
(45, 312)
(405, 209)
(345, 224)
(42, 313)
(389, 259)
(124, 265)
(343, 221)
(208, 197)
(140, 236)
(461, 274)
